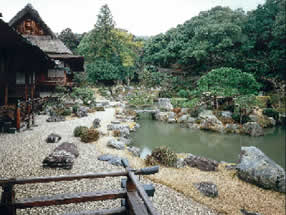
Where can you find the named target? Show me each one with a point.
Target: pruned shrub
(116, 133)
(79, 130)
(162, 155)
(90, 135)
(270, 112)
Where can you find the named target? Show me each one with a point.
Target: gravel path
(21, 156)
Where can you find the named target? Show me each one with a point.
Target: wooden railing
(137, 201)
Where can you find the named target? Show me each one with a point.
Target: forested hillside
(253, 42)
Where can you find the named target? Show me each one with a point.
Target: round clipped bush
(79, 130)
(162, 155)
(90, 135)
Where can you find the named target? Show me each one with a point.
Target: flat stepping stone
(112, 159)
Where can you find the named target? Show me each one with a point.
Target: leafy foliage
(228, 82)
(271, 113)
(85, 94)
(111, 54)
(140, 98)
(254, 42)
(244, 105)
(70, 39)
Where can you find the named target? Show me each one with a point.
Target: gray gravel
(21, 156)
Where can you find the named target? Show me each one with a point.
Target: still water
(220, 147)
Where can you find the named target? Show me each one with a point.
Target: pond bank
(220, 147)
(22, 155)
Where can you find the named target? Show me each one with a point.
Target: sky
(139, 17)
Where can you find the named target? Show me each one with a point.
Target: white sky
(139, 17)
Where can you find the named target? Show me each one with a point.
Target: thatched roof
(29, 11)
(12, 40)
(48, 45)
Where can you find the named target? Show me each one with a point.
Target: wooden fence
(22, 112)
(137, 201)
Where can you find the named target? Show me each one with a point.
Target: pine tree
(103, 34)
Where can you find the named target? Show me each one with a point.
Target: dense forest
(252, 42)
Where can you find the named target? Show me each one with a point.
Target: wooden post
(8, 200)
(26, 92)
(32, 91)
(18, 116)
(6, 94)
(32, 110)
(29, 113)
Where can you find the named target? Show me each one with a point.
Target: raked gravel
(21, 156)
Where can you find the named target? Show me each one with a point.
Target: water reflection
(221, 147)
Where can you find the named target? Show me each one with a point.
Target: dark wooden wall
(18, 61)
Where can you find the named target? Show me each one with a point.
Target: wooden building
(30, 25)
(20, 64)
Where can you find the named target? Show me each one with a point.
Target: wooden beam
(63, 199)
(142, 194)
(135, 204)
(62, 178)
(113, 211)
(7, 206)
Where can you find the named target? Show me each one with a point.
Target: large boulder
(116, 144)
(207, 188)
(165, 104)
(56, 118)
(112, 159)
(201, 163)
(262, 120)
(255, 167)
(162, 116)
(208, 121)
(134, 150)
(82, 111)
(253, 129)
(116, 126)
(63, 156)
(96, 123)
(232, 128)
(183, 118)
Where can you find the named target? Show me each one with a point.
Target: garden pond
(220, 147)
